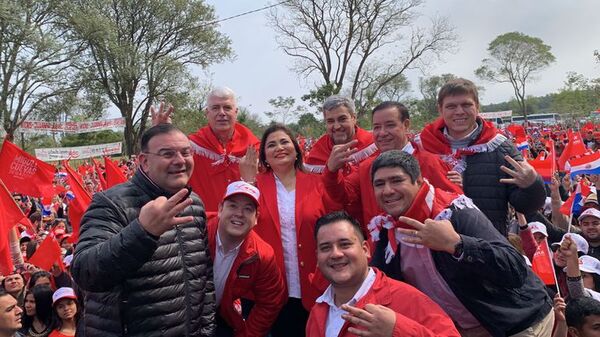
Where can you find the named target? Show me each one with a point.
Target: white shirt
(222, 266)
(286, 205)
(335, 322)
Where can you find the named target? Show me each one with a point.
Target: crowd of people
(359, 233)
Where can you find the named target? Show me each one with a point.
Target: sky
(261, 71)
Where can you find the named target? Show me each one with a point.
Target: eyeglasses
(171, 153)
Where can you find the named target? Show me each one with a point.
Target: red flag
(114, 175)
(575, 201)
(47, 254)
(542, 264)
(100, 175)
(518, 131)
(545, 166)
(25, 174)
(11, 215)
(575, 147)
(79, 204)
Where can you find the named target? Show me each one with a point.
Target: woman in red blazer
(291, 201)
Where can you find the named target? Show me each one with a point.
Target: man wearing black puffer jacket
(142, 257)
(493, 171)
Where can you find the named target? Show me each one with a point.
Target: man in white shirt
(362, 300)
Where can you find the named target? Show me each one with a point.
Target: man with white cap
(589, 222)
(244, 266)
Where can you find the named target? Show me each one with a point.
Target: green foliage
(91, 138)
(251, 121)
(37, 59)
(429, 88)
(515, 58)
(578, 97)
(139, 51)
(283, 110)
(308, 125)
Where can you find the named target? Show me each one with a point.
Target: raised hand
(340, 155)
(161, 214)
(523, 175)
(455, 178)
(249, 165)
(375, 320)
(435, 234)
(161, 116)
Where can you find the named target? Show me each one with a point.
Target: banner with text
(496, 114)
(78, 152)
(72, 127)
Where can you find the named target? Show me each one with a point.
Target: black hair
(57, 321)
(154, 131)
(262, 157)
(337, 216)
(42, 296)
(36, 276)
(580, 308)
(399, 159)
(401, 108)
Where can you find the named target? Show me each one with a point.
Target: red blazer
(254, 275)
(416, 314)
(358, 188)
(310, 205)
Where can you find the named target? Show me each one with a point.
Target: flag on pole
(575, 147)
(25, 174)
(47, 254)
(545, 165)
(11, 215)
(586, 164)
(79, 203)
(542, 264)
(114, 175)
(575, 201)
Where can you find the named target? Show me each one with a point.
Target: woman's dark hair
(279, 127)
(36, 276)
(43, 303)
(596, 279)
(42, 296)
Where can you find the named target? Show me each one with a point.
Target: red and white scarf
(429, 203)
(433, 139)
(205, 144)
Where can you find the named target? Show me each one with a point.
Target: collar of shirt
(329, 297)
(220, 246)
(468, 138)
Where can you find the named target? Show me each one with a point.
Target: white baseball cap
(589, 264)
(589, 212)
(64, 292)
(242, 187)
(538, 227)
(580, 242)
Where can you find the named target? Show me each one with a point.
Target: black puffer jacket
(481, 183)
(135, 284)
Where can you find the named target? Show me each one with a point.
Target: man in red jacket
(362, 300)
(244, 266)
(218, 147)
(391, 122)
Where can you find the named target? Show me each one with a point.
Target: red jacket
(358, 188)
(416, 314)
(254, 275)
(216, 167)
(310, 205)
(319, 154)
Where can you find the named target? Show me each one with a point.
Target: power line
(248, 12)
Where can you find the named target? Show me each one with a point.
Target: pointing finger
(513, 162)
(412, 222)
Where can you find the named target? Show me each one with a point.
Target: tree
(578, 97)
(515, 58)
(36, 59)
(309, 126)
(139, 51)
(344, 42)
(429, 88)
(283, 110)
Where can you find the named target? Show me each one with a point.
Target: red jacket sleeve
(343, 190)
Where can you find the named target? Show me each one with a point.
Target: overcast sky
(261, 71)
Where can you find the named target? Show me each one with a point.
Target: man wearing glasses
(142, 256)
